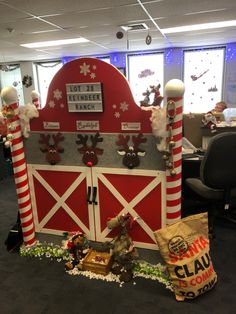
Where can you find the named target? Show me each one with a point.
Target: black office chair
(217, 182)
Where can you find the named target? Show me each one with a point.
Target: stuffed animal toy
(209, 120)
(26, 113)
(146, 100)
(122, 248)
(157, 95)
(35, 99)
(78, 247)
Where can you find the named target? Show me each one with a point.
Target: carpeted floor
(34, 286)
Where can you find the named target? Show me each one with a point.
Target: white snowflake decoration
(117, 115)
(51, 104)
(114, 106)
(94, 67)
(124, 106)
(57, 94)
(92, 75)
(62, 105)
(84, 69)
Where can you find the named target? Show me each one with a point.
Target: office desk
(207, 134)
(191, 203)
(190, 169)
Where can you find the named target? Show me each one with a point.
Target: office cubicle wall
(192, 123)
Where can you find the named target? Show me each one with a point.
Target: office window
(44, 73)
(143, 71)
(105, 59)
(10, 75)
(203, 79)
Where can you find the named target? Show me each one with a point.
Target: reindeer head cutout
(52, 150)
(89, 152)
(131, 154)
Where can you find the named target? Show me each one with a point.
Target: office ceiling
(26, 21)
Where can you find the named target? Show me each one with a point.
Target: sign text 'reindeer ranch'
(84, 97)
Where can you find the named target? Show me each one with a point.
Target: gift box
(97, 262)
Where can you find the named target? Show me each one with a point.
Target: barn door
(138, 192)
(69, 199)
(60, 199)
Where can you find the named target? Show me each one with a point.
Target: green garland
(45, 249)
(53, 251)
(154, 272)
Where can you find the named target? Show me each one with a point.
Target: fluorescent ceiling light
(203, 12)
(60, 42)
(197, 27)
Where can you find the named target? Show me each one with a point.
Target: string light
(173, 56)
(230, 54)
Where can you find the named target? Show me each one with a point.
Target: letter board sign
(84, 97)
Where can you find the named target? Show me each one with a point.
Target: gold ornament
(173, 172)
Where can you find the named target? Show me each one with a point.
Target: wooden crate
(97, 262)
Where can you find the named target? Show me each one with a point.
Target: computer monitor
(230, 115)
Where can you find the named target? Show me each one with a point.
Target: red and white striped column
(9, 96)
(174, 90)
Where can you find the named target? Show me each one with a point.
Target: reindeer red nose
(89, 164)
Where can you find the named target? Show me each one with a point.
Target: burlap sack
(184, 247)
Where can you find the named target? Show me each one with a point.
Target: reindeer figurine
(157, 95)
(90, 152)
(146, 101)
(131, 154)
(122, 247)
(52, 150)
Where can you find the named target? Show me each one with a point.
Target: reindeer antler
(57, 138)
(82, 140)
(138, 140)
(123, 141)
(155, 88)
(44, 139)
(96, 139)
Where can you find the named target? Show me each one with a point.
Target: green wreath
(27, 81)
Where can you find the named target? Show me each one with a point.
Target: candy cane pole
(174, 91)
(9, 96)
(35, 99)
